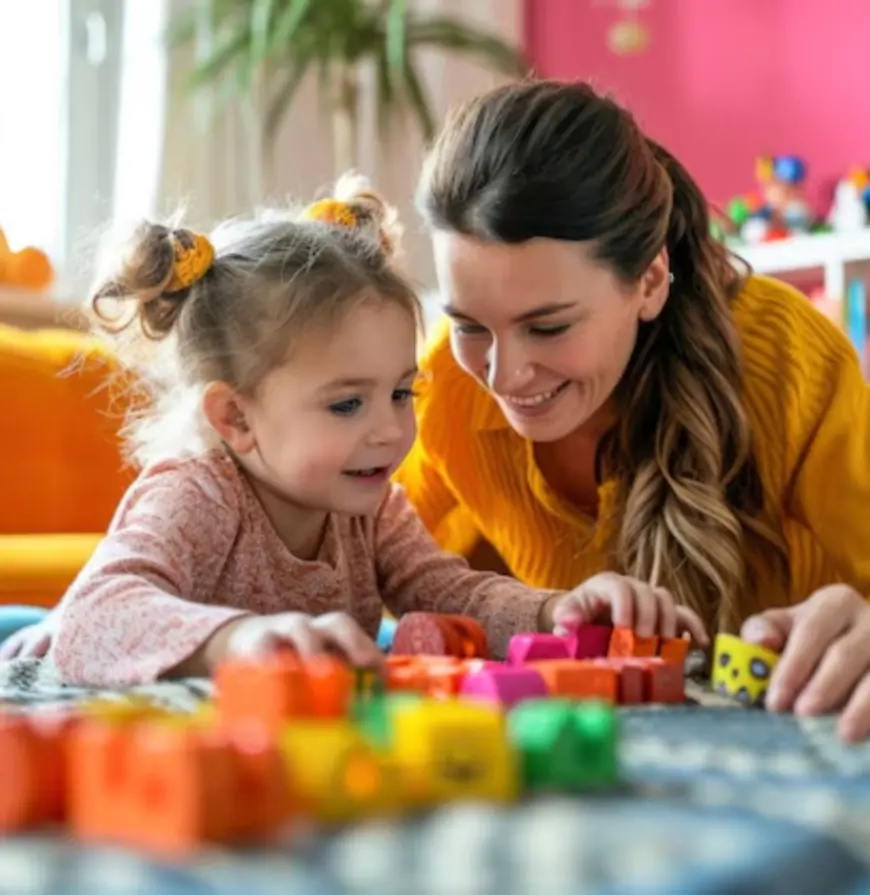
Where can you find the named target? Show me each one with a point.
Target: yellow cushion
(36, 570)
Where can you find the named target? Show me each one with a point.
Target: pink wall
(723, 81)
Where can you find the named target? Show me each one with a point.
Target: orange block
(444, 681)
(268, 691)
(33, 760)
(578, 679)
(675, 649)
(624, 642)
(168, 788)
(330, 685)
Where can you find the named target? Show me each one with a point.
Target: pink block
(504, 685)
(534, 647)
(589, 641)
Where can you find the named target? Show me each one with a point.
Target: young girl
(280, 359)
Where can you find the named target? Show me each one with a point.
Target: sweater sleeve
(829, 430)
(138, 608)
(415, 574)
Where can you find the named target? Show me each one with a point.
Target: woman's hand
(628, 603)
(825, 664)
(261, 635)
(31, 642)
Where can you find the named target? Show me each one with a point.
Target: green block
(565, 745)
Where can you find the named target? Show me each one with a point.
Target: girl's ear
(655, 286)
(224, 409)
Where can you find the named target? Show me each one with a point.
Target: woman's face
(545, 327)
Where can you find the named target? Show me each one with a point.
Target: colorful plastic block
(663, 682)
(432, 634)
(742, 669)
(674, 649)
(630, 688)
(454, 750)
(624, 642)
(524, 648)
(338, 773)
(589, 641)
(578, 680)
(564, 745)
(504, 685)
(33, 759)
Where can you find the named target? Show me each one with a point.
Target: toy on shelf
(742, 669)
(779, 209)
(850, 210)
(29, 268)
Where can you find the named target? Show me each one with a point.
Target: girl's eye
(345, 408)
(549, 331)
(403, 395)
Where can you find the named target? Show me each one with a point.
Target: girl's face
(329, 427)
(544, 326)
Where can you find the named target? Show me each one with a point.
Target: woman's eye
(546, 331)
(346, 407)
(469, 329)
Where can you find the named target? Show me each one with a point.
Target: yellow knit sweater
(470, 475)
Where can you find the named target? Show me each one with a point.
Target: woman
(613, 393)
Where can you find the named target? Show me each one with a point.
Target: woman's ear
(224, 409)
(655, 286)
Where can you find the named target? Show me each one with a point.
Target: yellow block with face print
(453, 750)
(742, 669)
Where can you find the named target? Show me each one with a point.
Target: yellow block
(454, 750)
(742, 669)
(338, 773)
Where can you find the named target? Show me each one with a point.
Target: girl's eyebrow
(363, 381)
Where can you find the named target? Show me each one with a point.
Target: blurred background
(115, 109)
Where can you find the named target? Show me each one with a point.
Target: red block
(631, 679)
(589, 641)
(663, 681)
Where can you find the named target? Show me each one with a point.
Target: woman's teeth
(534, 400)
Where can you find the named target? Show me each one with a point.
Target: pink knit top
(191, 547)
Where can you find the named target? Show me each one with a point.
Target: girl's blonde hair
(273, 278)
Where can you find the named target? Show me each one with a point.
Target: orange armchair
(61, 470)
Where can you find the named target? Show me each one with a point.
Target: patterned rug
(717, 799)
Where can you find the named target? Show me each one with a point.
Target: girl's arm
(415, 574)
(137, 611)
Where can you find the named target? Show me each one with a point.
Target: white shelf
(832, 253)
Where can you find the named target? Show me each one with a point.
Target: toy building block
(448, 750)
(431, 634)
(663, 681)
(564, 746)
(524, 648)
(505, 685)
(578, 680)
(339, 775)
(589, 641)
(624, 642)
(33, 760)
(275, 689)
(168, 788)
(742, 669)
(674, 649)
(630, 688)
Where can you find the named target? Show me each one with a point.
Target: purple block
(589, 641)
(505, 685)
(534, 647)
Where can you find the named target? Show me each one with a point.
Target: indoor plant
(276, 43)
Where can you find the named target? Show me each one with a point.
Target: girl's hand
(628, 603)
(825, 664)
(32, 642)
(261, 635)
